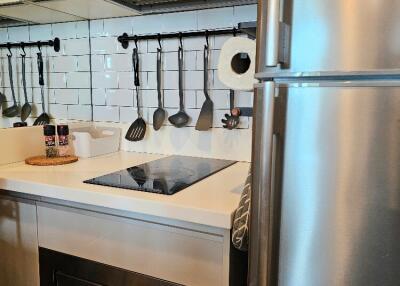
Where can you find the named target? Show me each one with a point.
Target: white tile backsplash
(105, 79)
(106, 113)
(40, 32)
(67, 96)
(98, 71)
(78, 79)
(76, 47)
(119, 62)
(119, 97)
(215, 18)
(65, 30)
(64, 64)
(80, 112)
(116, 27)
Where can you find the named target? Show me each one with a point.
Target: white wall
(112, 78)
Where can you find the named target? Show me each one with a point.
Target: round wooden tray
(44, 161)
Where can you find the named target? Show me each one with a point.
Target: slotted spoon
(137, 130)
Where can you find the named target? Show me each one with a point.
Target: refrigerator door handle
(272, 36)
(261, 259)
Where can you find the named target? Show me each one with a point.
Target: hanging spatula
(206, 114)
(137, 130)
(44, 118)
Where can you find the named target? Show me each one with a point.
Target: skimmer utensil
(205, 120)
(137, 130)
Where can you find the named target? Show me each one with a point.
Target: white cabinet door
(19, 259)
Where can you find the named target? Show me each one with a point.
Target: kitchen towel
(236, 66)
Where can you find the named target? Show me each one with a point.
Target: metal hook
(23, 49)
(9, 49)
(136, 41)
(206, 33)
(39, 44)
(159, 40)
(180, 40)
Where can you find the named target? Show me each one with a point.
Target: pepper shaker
(49, 132)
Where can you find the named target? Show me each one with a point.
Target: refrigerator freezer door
(329, 37)
(340, 207)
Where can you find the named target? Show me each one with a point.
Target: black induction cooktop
(165, 176)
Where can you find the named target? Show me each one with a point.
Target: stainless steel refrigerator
(325, 205)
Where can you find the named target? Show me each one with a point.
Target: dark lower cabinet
(59, 269)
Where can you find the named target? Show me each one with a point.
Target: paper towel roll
(236, 66)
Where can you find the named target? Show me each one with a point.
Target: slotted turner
(137, 130)
(205, 120)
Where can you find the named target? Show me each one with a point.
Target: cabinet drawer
(174, 254)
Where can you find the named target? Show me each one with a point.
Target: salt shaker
(49, 132)
(63, 143)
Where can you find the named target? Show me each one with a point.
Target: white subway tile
(83, 63)
(82, 29)
(220, 98)
(151, 82)
(215, 18)
(106, 113)
(55, 80)
(18, 34)
(99, 96)
(119, 97)
(220, 40)
(215, 82)
(97, 63)
(126, 80)
(170, 45)
(171, 98)
(193, 80)
(170, 61)
(148, 62)
(245, 13)
(58, 111)
(189, 61)
(51, 95)
(107, 45)
(196, 43)
(171, 80)
(67, 96)
(3, 35)
(40, 32)
(121, 62)
(85, 97)
(76, 47)
(64, 64)
(117, 26)
(212, 62)
(96, 28)
(148, 24)
(105, 80)
(80, 112)
(149, 98)
(244, 98)
(78, 80)
(179, 22)
(64, 30)
(128, 114)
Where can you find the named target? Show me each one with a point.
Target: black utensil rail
(55, 43)
(124, 39)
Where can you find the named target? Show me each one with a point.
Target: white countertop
(210, 202)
